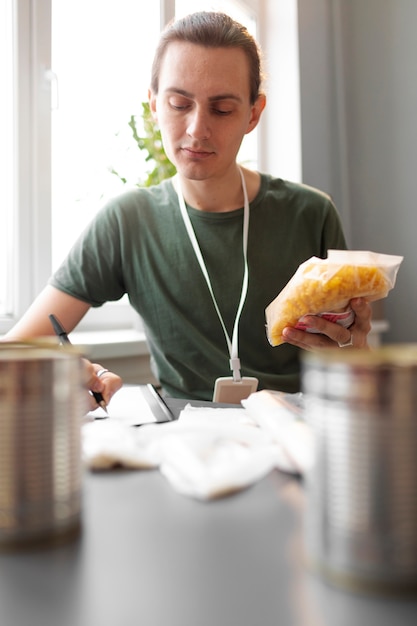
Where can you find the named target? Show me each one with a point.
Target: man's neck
(222, 195)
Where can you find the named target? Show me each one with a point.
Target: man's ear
(256, 112)
(152, 104)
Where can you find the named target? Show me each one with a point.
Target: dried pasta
(325, 285)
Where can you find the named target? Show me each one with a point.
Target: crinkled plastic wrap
(323, 285)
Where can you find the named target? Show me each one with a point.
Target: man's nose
(198, 124)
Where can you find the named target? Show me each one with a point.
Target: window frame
(31, 210)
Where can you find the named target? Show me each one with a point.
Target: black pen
(63, 339)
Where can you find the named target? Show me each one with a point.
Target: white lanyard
(231, 344)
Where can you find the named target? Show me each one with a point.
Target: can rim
(396, 354)
(35, 349)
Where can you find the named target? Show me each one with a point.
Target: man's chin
(194, 171)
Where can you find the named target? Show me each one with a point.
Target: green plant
(151, 143)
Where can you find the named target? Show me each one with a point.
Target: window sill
(111, 344)
(130, 342)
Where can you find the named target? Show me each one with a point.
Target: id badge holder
(229, 391)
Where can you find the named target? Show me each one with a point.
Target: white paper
(128, 406)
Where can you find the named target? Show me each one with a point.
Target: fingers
(325, 334)
(107, 383)
(363, 314)
(306, 340)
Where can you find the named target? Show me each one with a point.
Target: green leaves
(151, 143)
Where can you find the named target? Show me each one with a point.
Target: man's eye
(178, 106)
(222, 112)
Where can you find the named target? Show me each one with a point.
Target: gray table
(149, 556)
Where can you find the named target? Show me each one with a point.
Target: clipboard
(136, 405)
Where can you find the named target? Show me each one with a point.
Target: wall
(358, 87)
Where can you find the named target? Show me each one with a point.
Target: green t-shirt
(137, 244)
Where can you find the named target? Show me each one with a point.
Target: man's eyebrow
(217, 98)
(225, 96)
(180, 92)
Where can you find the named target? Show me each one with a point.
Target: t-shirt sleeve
(333, 237)
(92, 271)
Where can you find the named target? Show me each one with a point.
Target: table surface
(148, 555)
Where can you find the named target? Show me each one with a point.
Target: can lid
(398, 355)
(36, 349)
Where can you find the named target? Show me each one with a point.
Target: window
(74, 73)
(97, 85)
(101, 82)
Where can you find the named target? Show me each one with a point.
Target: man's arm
(35, 322)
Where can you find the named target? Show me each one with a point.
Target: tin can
(41, 406)
(361, 515)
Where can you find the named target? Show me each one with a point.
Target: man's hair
(211, 30)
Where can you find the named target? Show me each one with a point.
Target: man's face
(203, 108)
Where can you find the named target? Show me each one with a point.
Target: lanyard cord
(231, 344)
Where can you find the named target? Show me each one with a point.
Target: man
(203, 254)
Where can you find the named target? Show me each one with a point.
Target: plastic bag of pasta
(325, 287)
